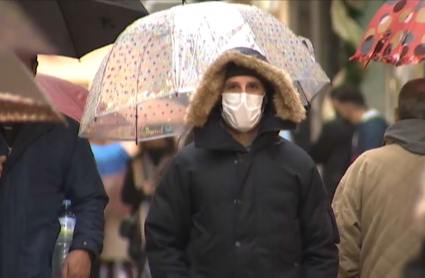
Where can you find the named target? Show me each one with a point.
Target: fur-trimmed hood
(286, 100)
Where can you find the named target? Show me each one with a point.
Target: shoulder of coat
(290, 150)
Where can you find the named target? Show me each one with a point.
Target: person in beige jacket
(375, 201)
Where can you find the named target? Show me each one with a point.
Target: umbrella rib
(136, 106)
(58, 2)
(211, 33)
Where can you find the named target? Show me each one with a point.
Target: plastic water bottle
(67, 221)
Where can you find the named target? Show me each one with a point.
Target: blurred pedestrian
(374, 202)
(139, 186)
(241, 201)
(332, 150)
(112, 160)
(349, 102)
(47, 163)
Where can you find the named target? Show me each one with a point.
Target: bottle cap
(66, 203)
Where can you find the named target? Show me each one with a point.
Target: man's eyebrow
(255, 82)
(234, 83)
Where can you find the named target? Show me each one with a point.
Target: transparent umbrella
(161, 57)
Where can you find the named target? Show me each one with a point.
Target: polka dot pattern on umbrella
(163, 56)
(395, 35)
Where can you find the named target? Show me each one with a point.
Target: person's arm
(168, 224)
(84, 187)
(346, 205)
(318, 228)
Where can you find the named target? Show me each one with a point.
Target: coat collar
(214, 136)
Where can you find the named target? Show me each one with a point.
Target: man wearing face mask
(241, 201)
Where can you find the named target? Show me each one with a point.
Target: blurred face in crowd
(344, 109)
(156, 144)
(157, 149)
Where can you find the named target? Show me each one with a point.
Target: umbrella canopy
(18, 32)
(21, 100)
(67, 97)
(76, 28)
(164, 55)
(395, 35)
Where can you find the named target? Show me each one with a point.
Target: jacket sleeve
(167, 226)
(318, 228)
(84, 187)
(346, 205)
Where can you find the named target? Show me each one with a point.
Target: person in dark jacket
(333, 150)
(45, 164)
(350, 103)
(241, 201)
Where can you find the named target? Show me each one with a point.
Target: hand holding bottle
(77, 265)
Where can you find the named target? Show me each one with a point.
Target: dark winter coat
(333, 150)
(223, 210)
(47, 164)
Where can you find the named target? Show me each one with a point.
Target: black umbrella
(77, 27)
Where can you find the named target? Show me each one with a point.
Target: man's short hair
(411, 100)
(350, 94)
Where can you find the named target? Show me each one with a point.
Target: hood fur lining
(286, 99)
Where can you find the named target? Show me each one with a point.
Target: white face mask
(242, 111)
